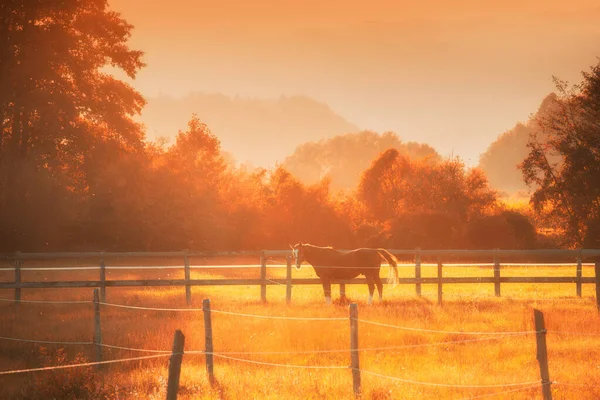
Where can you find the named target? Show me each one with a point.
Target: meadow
(397, 363)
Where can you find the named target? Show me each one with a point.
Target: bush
(506, 230)
(69, 383)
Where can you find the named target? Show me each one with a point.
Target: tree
(57, 104)
(421, 203)
(197, 169)
(395, 184)
(505, 230)
(564, 161)
(297, 212)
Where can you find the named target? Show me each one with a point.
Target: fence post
(18, 276)
(263, 277)
(188, 288)
(579, 274)
(288, 279)
(175, 365)
(208, 340)
(418, 270)
(342, 290)
(542, 354)
(439, 276)
(97, 327)
(102, 279)
(597, 273)
(496, 274)
(354, 349)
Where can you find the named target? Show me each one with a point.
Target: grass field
(434, 359)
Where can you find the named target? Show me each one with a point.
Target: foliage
(76, 172)
(564, 162)
(58, 109)
(423, 204)
(505, 230)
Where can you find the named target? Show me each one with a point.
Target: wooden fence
(178, 351)
(495, 258)
(175, 361)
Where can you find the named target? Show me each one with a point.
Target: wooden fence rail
(489, 254)
(497, 257)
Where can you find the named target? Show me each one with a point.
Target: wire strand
(18, 371)
(446, 332)
(281, 317)
(110, 346)
(43, 341)
(150, 308)
(449, 384)
(504, 392)
(48, 301)
(280, 365)
(346, 350)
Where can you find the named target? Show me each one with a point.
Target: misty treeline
(76, 172)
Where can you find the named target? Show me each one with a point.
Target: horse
(330, 264)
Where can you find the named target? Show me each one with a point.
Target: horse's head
(298, 253)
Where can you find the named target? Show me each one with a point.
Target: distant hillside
(255, 130)
(344, 157)
(500, 160)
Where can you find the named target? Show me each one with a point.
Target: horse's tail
(393, 261)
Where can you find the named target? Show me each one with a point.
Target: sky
(453, 74)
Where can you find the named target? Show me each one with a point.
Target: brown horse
(330, 264)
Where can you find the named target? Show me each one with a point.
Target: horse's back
(345, 265)
(364, 257)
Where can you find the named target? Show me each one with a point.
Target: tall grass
(430, 357)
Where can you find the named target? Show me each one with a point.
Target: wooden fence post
(496, 274)
(102, 279)
(597, 273)
(208, 340)
(175, 365)
(97, 327)
(263, 277)
(188, 288)
(579, 274)
(288, 279)
(439, 276)
(18, 276)
(542, 354)
(354, 349)
(342, 290)
(418, 270)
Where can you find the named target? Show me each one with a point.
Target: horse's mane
(318, 247)
(313, 246)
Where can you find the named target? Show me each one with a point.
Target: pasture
(303, 358)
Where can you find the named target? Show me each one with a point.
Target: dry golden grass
(501, 360)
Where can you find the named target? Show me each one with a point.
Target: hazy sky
(454, 74)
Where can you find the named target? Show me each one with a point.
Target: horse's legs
(371, 287)
(379, 286)
(326, 282)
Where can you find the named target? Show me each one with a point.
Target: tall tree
(57, 105)
(395, 185)
(564, 161)
(422, 203)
